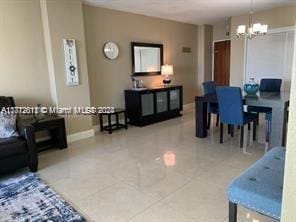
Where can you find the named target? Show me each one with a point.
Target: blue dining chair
(210, 88)
(231, 111)
(266, 85)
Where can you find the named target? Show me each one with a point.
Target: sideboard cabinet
(148, 106)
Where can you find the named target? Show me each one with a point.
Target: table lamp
(167, 70)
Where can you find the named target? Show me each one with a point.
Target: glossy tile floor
(158, 173)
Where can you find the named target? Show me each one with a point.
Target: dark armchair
(21, 151)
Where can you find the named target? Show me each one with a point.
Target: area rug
(28, 198)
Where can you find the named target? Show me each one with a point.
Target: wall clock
(111, 50)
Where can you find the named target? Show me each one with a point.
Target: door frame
(213, 54)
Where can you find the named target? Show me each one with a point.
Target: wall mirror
(147, 58)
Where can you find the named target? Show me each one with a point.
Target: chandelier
(252, 30)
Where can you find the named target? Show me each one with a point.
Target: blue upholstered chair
(231, 111)
(266, 85)
(210, 88)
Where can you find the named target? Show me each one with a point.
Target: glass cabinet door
(161, 102)
(175, 99)
(147, 104)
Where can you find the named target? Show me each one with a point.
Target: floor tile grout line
(158, 201)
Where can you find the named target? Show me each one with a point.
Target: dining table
(277, 101)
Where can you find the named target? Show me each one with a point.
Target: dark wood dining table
(278, 101)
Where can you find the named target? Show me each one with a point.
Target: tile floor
(158, 173)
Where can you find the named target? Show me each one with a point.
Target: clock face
(111, 50)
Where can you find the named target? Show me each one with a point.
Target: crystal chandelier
(252, 30)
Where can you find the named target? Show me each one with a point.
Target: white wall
(271, 56)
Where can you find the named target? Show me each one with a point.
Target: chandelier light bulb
(252, 30)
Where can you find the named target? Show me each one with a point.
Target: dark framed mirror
(147, 58)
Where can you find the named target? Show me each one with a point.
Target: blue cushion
(210, 88)
(231, 106)
(260, 187)
(270, 85)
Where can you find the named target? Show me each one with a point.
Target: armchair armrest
(26, 130)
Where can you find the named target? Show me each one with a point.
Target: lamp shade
(241, 29)
(257, 27)
(167, 70)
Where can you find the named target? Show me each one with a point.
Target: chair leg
(209, 120)
(267, 131)
(229, 128)
(254, 129)
(242, 136)
(257, 119)
(249, 126)
(217, 120)
(232, 130)
(221, 132)
(232, 212)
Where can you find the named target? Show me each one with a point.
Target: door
(222, 63)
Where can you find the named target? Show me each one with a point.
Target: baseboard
(96, 128)
(188, 106)
(81, 135)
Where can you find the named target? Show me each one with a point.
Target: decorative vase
(251, 87)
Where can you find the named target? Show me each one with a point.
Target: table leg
(201, 118)
(277, 136)
(101, 122)
(109, 124)
(117, 120)
(125, 120)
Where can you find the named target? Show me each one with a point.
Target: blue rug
(26, 198)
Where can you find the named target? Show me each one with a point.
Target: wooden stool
(110, 127)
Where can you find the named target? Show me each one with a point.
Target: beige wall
(24, 55)
(204, 62)
(220, 30)
(208, 45)
(275, 18)
(23, 66)
(289, 197)
(65, 20)
(108, 79)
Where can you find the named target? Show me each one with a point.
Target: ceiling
(189, 11)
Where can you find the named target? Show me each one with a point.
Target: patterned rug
(27, 198)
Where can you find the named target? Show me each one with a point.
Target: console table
(152, 105)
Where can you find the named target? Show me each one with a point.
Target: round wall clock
(111, 50)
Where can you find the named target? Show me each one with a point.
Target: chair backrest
(270, 85)
(6, 101)
(230, 105)
(209, 87)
